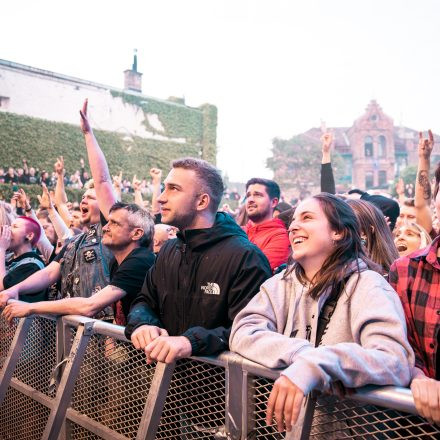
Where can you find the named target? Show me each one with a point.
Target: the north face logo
(211, 289)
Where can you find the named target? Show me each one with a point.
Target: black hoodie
(198, 283)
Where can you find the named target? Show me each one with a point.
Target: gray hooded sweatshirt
(365, 342)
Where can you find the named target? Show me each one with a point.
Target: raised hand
(45, 199)
(326, 142)
(5, 237)
(84, 122)
(425, 145)
(117, 181)
(59, 166)
(156, 175)
(136, 183)
(21, 199)
(400, 187)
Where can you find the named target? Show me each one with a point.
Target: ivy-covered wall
(41, 141)
(198, 126)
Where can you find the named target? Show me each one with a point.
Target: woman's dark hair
(346, 251)
(379, 240)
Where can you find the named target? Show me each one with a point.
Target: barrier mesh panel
(335, 419)
(22, 417)
(113, 385)
(77, 432)
(195, 404)
(38, 356)
(261, 391)
(7, 332)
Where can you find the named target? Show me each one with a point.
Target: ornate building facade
(374, 149)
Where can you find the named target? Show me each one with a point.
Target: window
(382, 146)
(4, 102)
(369, 179)
(383, 179)
(368, 146)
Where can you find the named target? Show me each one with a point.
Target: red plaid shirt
(416, 278)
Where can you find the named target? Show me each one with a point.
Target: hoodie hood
(223, 227)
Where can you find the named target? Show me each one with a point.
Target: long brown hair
(347, 251)
(379, 240)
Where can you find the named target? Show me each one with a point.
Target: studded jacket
(85, 267)
(199, 282)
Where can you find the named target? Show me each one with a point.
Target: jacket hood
(224, 226)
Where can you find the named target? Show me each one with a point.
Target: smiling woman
(330, 276)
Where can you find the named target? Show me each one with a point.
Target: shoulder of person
(369, 284)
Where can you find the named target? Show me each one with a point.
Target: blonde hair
(7, 215)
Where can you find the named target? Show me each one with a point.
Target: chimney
(133, 78)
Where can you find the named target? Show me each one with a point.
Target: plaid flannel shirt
(416, 279)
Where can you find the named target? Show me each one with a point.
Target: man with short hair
(201, 279)
(128, 234)
(265, 231)
(20, 238)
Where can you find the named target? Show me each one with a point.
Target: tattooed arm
(422, 199)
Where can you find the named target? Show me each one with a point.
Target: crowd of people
(309, 289)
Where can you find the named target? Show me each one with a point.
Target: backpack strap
(327, 310)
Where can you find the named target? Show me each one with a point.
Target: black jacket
(199, 282)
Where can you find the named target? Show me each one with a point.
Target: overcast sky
(274, 68)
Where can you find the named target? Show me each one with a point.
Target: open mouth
(401, 247)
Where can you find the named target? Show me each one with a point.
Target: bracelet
(28, 209)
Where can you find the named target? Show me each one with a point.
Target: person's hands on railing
(284, 404)
(16, 310)
(426, 394)
(168, 349)
(145, 334)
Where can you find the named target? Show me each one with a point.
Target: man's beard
(182, 221)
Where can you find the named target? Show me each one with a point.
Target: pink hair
(34, 227)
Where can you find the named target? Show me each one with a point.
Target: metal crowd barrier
(79, 378)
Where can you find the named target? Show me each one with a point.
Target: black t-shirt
(130, 275)
(19, 272)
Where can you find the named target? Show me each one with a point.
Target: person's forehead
(257, 187)
(407, 210)
(308, 205)
(118, 215)
(90, 193)
(180, 176)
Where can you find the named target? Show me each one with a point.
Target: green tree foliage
(296, 163)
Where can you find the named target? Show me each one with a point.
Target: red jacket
(272, 238)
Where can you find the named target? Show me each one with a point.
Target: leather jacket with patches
(85, 267)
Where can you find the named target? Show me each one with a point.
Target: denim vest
(85, 267)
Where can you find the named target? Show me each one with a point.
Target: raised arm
(5, 240)
(60, 192)
(156, 178)
(422, 197)
(61, 229)
(98, 166)
(400, 190)
(327, 179)
(136, 184)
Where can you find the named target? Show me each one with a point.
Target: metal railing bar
(155, 401)
(68, 379)
(34, 394)
(13, 355)
(93, 426)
